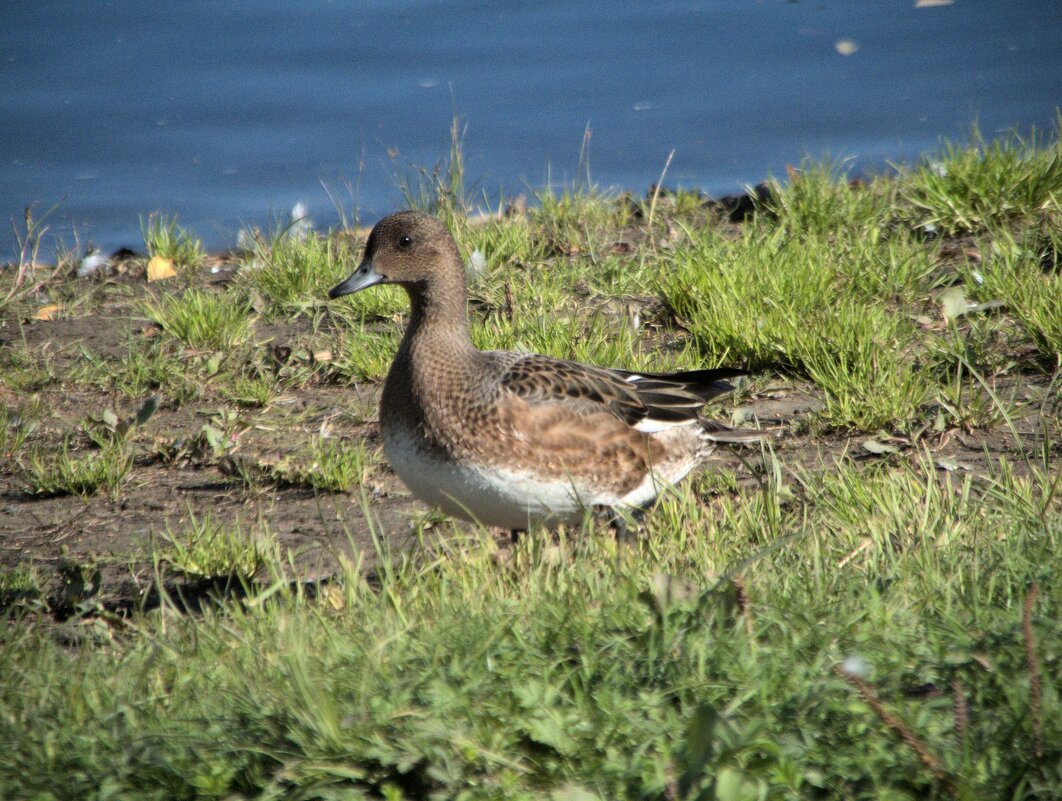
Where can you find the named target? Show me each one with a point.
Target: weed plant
(163, 237)
(986, 185)
(202, 320)
(868, 640)
(207, 549)
(65, 473)
(335, 465)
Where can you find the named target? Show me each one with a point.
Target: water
(225, 114)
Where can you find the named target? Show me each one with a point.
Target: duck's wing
(646, 401)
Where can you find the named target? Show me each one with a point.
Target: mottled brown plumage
(510, 438)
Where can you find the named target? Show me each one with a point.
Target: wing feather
(646, 398)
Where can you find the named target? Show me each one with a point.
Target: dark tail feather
(707, 384)
(717, 432)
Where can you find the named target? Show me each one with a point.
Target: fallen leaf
(953, 303)
(878, 448)
(145, 411)
(988, 305)
(160, 268)
(322, 356)
(48, 312)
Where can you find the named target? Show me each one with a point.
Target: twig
(742, 597)
(656, 191)
(1033, 666)
(961, 710)
(893, 722)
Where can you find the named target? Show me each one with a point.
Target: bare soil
(319, 529)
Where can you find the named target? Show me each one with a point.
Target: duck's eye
(405, 241)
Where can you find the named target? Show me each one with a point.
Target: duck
(512, 440)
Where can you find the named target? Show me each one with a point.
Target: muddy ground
(164, 491)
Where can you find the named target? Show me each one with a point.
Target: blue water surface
(225, 113)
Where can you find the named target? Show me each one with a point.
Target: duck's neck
(438, 323)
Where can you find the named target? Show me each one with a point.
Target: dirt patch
(173, 482)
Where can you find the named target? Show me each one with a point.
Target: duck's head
(408, 248)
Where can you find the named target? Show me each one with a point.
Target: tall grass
(766, 300)
(704, 658)
(983, 184)
(202, 319)
(163, 237)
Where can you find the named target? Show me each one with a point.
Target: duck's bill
(362, 278)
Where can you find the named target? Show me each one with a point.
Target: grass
(580, 335)
(702, 659)
(16, 426)
(365, 355)
(207, 549)
(66, 473)
(332, 466)
(338, 466)
(20, 581)
(812, 621)
(164, 238)
(28, 371)
(255, 391)
(768, 300)
(24, 279)
(441, 189)
(293, 276)
(982, 184)
(1017, 274)
(143, 369)
(201, 319)
(327, 466)
(819, 199)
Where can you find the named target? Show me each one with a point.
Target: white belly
(488, 495)
(514, 499)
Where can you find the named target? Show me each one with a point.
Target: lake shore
(199, 523)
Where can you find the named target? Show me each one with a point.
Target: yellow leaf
(160, 268)
(48, 312)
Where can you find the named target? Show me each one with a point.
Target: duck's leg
(619, 521)
(502, 535)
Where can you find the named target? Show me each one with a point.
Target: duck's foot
(624, 524)
(503, 536)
